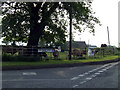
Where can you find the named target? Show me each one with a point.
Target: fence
(47, 52)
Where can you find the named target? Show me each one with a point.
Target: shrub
(9, 57)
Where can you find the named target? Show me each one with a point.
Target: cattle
(44, 54)
(56, 54)
(77, 53)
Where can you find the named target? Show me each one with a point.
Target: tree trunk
(37, 29)
(34, 26)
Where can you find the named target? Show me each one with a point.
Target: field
(15, 60)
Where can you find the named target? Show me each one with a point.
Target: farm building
(78, 44)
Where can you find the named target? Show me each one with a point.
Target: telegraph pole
(70, 39)
(108, 36)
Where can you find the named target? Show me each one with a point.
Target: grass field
(56, 62)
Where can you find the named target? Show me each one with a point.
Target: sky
(107, 12)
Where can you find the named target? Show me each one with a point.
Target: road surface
(88, 76)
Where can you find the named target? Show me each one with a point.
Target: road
(89, 76)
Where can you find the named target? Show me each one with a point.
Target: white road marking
(99, 68)
(86, 73)
(81, 75)
(97, 73)
(29, 73)
(93, 75)
(83, 82)
(104, 69)
(75, 86)
(88, 78)
(74, 78)
(90, 71)
(100, 71)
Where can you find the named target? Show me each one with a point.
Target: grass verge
(56, 62)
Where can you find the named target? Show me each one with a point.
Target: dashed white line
(29, 73)
(93, 75)
(100, 71)
(88, 78)
(81, 75)
(97, 73)
(83, 82)
(75, 86)
(90, 71)
(74, 78)
(86, 73)
(105, 67)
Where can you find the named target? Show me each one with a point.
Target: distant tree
(31, 21)
(103, 45)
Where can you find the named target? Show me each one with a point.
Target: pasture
(32, 55)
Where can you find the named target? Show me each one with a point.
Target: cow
(77, 53)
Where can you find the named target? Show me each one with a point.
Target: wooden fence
(26, 51)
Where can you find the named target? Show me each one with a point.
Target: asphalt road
(89, 76)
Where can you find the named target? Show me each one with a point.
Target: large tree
(33, 21)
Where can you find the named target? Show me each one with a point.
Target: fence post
(31, 48)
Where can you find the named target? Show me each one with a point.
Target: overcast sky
(107, 11)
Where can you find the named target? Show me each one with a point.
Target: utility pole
(70, 39)
(108, 36)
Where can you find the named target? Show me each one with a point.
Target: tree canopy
(33, 21)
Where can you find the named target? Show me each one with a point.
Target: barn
(78, 44)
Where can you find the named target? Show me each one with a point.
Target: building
(78, 44)
(92, 46)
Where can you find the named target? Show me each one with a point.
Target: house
(78, 44)
(92, 46)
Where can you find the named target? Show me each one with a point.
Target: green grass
(56, 62)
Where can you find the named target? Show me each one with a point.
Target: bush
(9, 57)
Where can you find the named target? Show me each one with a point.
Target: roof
(78, 44)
